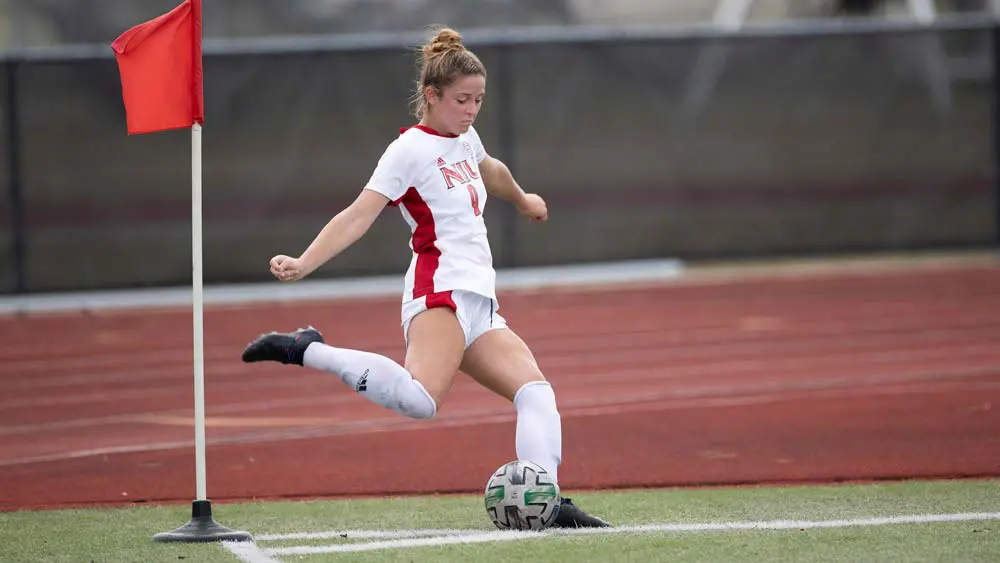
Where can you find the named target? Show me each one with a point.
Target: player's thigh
(500, 361)
(435, 344)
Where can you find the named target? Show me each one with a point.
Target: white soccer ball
(522, 496)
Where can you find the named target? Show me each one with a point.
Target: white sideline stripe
(632, 271)
(248, 552)
(483, 537)
(368, 534)
(471, 536)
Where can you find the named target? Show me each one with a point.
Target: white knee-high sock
(539, 426)
(375, 377)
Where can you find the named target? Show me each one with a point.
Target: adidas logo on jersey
(441, 162)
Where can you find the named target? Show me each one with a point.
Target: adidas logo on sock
(362, 383)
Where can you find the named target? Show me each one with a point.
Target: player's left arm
(501, 183)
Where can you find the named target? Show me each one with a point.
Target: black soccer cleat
(284, 347)
(570, 516)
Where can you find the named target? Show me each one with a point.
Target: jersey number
(474, 196)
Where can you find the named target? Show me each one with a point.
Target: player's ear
(432, 95)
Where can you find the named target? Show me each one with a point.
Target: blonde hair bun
(446, 41)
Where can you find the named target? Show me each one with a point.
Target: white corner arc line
(248, 552)
(418, 538)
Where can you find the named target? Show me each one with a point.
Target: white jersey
(435, 181)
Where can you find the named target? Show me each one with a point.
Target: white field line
(400, 539)
(368, 534)
(248, 552)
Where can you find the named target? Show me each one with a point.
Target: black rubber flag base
(202, 528)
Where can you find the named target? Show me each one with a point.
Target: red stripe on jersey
(441, 299)
(424, 237)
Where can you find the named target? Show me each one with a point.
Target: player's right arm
(388, 183)
(341, 232)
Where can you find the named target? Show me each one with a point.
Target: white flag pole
(201, 527)
(199, 311)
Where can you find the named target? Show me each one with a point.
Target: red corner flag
(161, 71)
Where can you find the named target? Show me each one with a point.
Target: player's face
(459, 104)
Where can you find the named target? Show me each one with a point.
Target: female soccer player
(439, 175)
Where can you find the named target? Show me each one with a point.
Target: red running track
(819, 378)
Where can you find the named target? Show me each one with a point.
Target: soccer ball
(522, 496)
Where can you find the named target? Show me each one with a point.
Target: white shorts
(476, 313)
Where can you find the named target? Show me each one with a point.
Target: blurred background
(692, 129)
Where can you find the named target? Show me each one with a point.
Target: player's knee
(536, 396)
(414, 401)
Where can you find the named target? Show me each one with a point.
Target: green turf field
(697, 534)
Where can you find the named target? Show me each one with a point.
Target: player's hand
(533, 207)
(286, 268)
